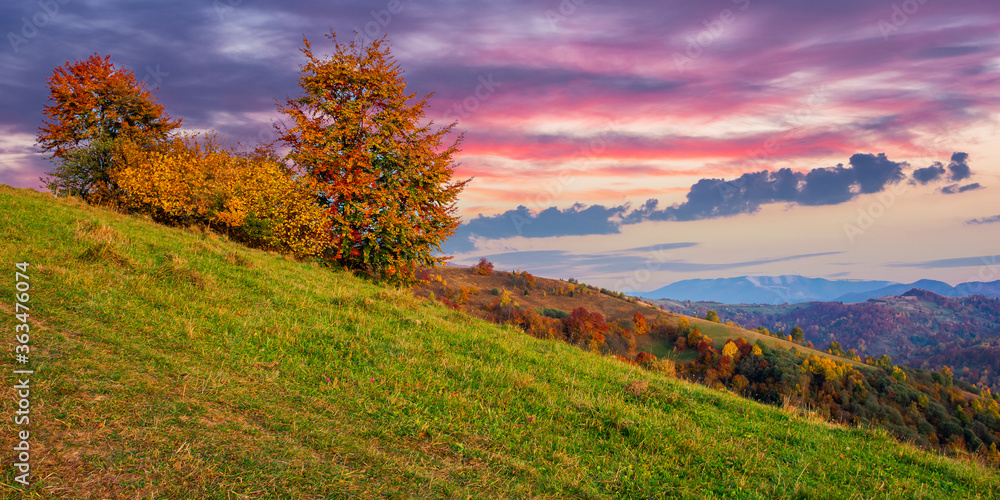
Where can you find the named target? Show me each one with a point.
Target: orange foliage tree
(94, 104)
(384, 178)
(484, 267)
(641, 328)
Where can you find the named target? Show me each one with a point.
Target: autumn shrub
(448, 303)
(423, 275)
(540, 326)
(645, 359)
(552, 312)
(529, 279)
(251, 195)
(463, 295)
(484, 267)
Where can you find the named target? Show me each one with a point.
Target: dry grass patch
(176, 267)
(237, 259)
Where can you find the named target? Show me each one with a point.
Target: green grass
(174, 364)
(720, 333)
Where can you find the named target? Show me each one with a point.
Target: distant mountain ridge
(794, 289)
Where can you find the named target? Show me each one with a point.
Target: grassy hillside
(542, 295)
(171, 363)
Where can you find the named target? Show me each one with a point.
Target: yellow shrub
(250, 195)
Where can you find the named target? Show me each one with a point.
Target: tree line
(365, 183)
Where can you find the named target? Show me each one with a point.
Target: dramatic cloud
(988, 261)
(612, 96)
(984, 220)
(560, 263)
(710, 198)
(828, 186)
(873, 173)
(526, 86)
(576, 220)
(955, 188)
(959, 168)
(929, 174)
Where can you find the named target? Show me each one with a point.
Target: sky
(626, 144)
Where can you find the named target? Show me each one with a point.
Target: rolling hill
(172, 363)
(543, 295)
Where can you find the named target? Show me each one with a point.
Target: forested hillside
(919, 329)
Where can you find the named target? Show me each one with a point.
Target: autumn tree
(484, 267)
(641, 328)
(798, 334)
(585, 327)
(712, 316)
(94, 104)
(383, 177)
(835, 349)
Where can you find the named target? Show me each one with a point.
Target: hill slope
(173, 364)
(543, 294)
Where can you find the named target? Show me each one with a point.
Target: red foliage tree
(93, 105)
(583, 326)
(484, 267)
